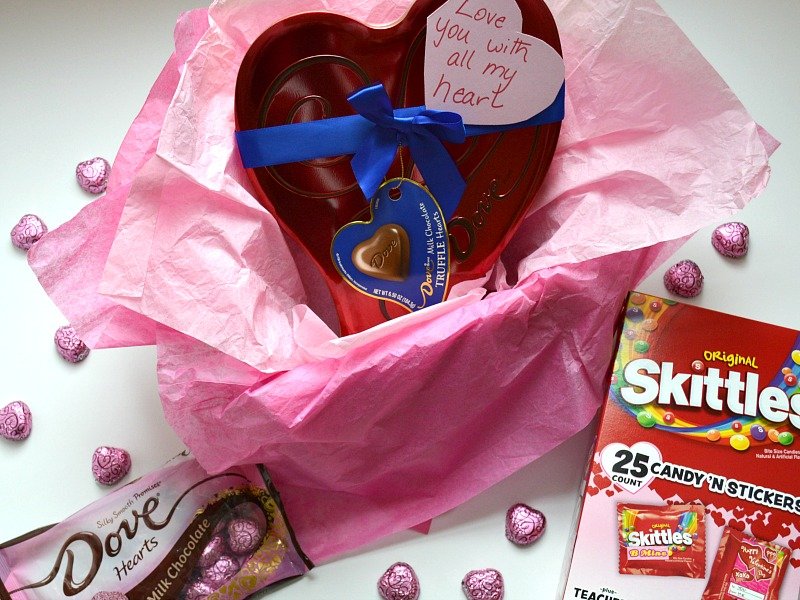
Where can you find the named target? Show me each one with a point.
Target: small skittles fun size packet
(662, 540)
(746, 568)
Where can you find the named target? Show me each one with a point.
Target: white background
(73, 75)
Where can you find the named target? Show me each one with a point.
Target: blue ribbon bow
(373, 135)
(422, 133)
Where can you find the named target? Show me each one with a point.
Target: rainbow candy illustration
(640, 334)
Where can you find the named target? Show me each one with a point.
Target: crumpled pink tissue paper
(376, 432)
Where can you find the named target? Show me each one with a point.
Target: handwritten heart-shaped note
(479, 64)
(401, 255)
(385, 254)
(629, 466)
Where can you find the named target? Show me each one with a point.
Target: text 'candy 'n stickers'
(402, 254)
(479, 64)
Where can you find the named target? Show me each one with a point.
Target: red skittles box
(693, 489)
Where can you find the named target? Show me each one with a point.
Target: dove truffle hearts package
(401, 159)
(175, 533)
(692, 488)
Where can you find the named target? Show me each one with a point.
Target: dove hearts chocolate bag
(177, 532)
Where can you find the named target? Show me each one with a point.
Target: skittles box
(693, 487)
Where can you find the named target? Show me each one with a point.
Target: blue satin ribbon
(422, 133)
(373, 135)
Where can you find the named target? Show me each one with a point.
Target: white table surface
(73, 76)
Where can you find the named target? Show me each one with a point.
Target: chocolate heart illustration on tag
(385, 254)
(305, 67)
(401, 254)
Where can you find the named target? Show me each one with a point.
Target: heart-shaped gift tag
(305, 67)
(401, 255)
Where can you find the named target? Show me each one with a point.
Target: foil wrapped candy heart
(483, 584)
(304, 68)
(69, 346)
(29, 230)
(92, 175)
(524, 525)
(15, 421)
(399, 582)
(684, 279)
(110, 464)
(211, 553)
(731, 239)
(198, 590)
(244, 535)
(219, 573)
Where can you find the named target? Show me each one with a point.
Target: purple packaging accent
(146, 541)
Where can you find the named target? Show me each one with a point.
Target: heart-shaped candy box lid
(305, 67)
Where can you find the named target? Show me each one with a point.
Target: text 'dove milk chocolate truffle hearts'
(524, 525)
(483, 584)
(110, 464)
(399, 582)
(70, 347)
(731, 239)
(15, 421)
(684, 279)
(92, 175)
(27, 232)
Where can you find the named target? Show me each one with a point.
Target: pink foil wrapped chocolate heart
(198, 590)
(731, 239)
(524, 525)
(483, 584)
(27, 232)
(92, 175)
(110, 464)
(70, 347)
(222, 571)
(399, 582)
(216, 547)
(244, 535)
(15, 421)
(109, 596)
(684, 279)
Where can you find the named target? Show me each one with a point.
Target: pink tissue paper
(376, 432)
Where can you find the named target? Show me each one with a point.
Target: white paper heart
(629, 466)
(479, 64)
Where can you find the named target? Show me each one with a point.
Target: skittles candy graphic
(713, 391)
